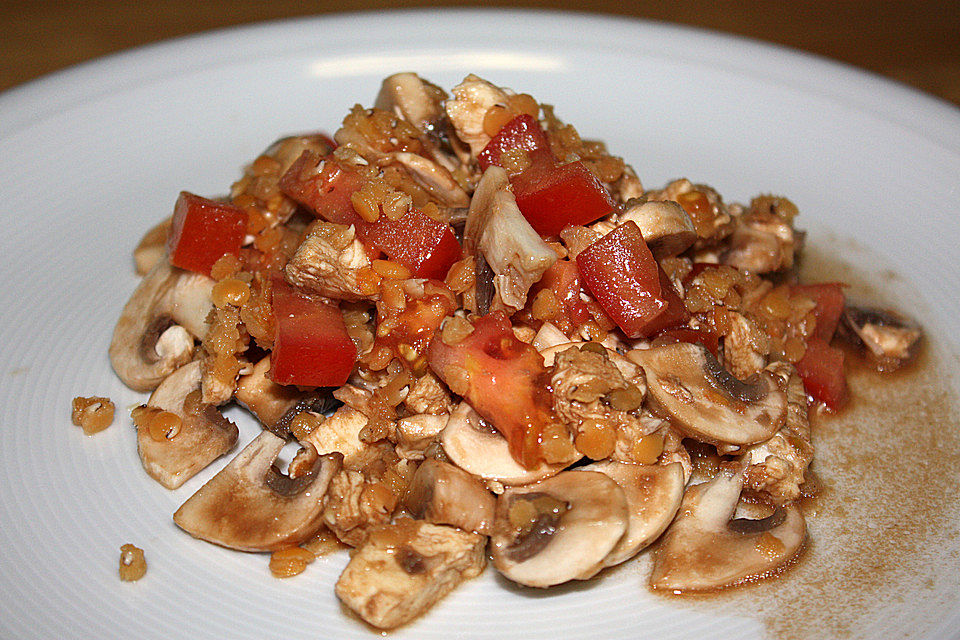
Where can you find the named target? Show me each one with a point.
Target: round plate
(93, 156)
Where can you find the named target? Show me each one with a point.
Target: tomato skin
(623, 276)
(821, 369)
(688, 334)
(522, 132)
(311, 346)
(675, 313)
(830, 303)
(552, 197)
(502, 378)
(426, 246)
(323, 186)
(203, 231)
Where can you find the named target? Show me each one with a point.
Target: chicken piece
(466, 110)
(776, 468)
(630, 446)
(340, 432)
(761, 242)
(417, 432)
(432, 176)
(332, 262)
(403, 569)
(744, 347)
(428, 395)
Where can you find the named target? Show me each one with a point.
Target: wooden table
(914, 41)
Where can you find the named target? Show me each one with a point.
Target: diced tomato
(688, 334)
(552, 197)
(324, 186)
(203, 231)
(675, 312)
(821, 369)
(311, 346)
(501, 377)
(622, 274)
(830, 302)
(523, 132)
(426, 246)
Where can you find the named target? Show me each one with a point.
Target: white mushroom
(201, 438)
(152, 247)
(705, 401)
(706, 548)
(432, 176)
(558, 530)
(666, 227)
(480, 450)
(471, 100)
(653, 495)
(442, 493)
(155, 333)
(265, 398)
(251, 506)
(410, 97)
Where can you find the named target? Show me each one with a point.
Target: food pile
(489, 340)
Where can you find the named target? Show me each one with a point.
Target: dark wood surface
(915, 42)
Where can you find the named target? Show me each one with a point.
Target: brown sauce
(883, 537)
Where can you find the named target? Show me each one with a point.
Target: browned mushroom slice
(666, 227)
(251, 506)
(558, 530)
(687, 383)
(890, 339)
(479, 449)
(402, 569)
(265, 398)
(706, 548)
(152, 247)
(444, 494)
(194, 441)
(155, 333)
(653, 496)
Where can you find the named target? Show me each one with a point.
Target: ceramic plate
(93, 156)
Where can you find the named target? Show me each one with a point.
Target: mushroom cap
(202, 438)
(155, 332)
(442, 493)
(250, 506)
(265, 398)
(666, 227)
(705, 549)
(574, 543)
(653, 493)
(687, 383)
(485, 453)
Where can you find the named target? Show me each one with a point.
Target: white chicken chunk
(329, 262)
(340, 432)
(403, 569)
(471, 100)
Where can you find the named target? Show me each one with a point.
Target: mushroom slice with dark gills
(402, 569)
(477, 448)
(705, 401)
(558, 530)
(251, 506)
(707, 548)
(891, 340)
(177, 436)
(442, 493)
(156, 330)
(653, 495)
(666, 227)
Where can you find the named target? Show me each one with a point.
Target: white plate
(91, 157)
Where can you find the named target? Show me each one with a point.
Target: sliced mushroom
(412, 98)
(444, 494)
(417, 432)
(891, 339)
(705, 401)
(496, 229)
(480, 450)
(251, 506)
(653, 495)
(265, 398)
(155, 333)
(705, 548)
(558, 530)
(152, 247)
(666, 227)
(200, 438)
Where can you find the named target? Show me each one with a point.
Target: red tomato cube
(623, 276)
(830, 302)
(311, 346)
(203, 231)
(426, 246)
(552, 197)
(323, 186)
(821, 369)
(523, 132)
